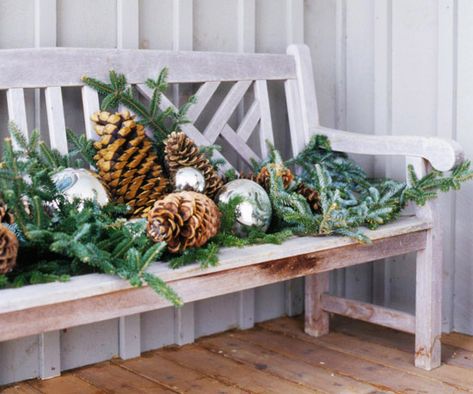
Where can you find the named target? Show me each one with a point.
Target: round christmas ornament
(180, 151)
(81, 183)
(255, 209)
(8, 250)
(183, 220)
(189, 179)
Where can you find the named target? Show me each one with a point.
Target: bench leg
(316, 319)
(429, 303)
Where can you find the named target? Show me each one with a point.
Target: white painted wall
(381, 66)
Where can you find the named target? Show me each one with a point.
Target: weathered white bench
(44, 309)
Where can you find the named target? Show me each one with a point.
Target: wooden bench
(44, 309)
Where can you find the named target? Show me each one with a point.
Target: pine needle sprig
(118, 92)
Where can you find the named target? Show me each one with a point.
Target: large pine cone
(8, 250)
(183, 220)
(6, 216)
(181, 151)
(126, 161)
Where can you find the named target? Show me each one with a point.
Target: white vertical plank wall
(380, 66)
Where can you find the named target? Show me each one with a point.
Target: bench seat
(96, 297)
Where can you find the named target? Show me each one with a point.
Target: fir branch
(160, 122)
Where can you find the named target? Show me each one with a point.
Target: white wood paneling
(463, 275)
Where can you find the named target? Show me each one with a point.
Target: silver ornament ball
(189, 179)
(81, 183)
(254, 211)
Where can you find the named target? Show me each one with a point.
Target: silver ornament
(81, 183)
(255, 209)
(189, 179)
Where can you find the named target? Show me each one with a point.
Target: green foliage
(81, 146)
(60, 238)
(118, 92)
(350, 199)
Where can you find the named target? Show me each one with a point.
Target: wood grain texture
(342, 363)
(442, 154)
(65, 66)
(230, 372)
(17, 109)
(375, 344)
(368, 312)
(205, 284)
(316, 318)
(276, 356)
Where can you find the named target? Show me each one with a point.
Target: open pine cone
(126, 161)
(183, 220)
(8, 250)
(181, 151)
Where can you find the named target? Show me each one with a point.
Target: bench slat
(203, 95)
(249, 122)
(90, 103)
(56, 121)
(65, 66)
(17, 109)
(225, 110)
(266, 125)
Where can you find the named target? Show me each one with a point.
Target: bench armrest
(442, 154)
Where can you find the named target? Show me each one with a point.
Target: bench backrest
(53, 68)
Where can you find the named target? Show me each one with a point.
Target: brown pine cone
(180, 151)
(127, 162)
(183, 220)
(311, 195)
(6, 216)
(263, 177)
(8, 250)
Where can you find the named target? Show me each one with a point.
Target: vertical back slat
(90, 104)
(56, 121)
(266, 125)
(17, 109)
(305, 83)
(295, 116)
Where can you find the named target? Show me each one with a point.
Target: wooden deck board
(231, 372)
(112, 378)
(170, 374)
(277, 357)
(384, 378)
(69, 384)
(454, 376)
(317, 378)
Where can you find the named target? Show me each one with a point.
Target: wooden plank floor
(277, 357)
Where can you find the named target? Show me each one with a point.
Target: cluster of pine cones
(129, 168)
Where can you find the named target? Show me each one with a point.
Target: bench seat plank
(96, 297)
